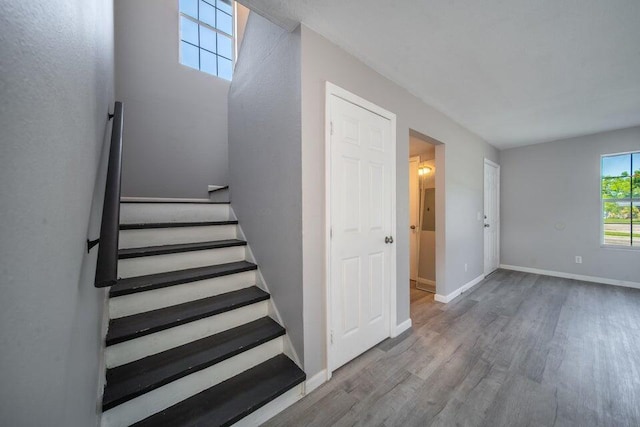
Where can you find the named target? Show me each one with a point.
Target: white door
(491, 216)
(414, 214)
(361, 169)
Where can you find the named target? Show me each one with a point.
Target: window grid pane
(620, 192)
(224, 22)
(207, 14)
(225, 68)
(206, 42)
(225, 46)
(208, 62)
(189, 55)
(189, 7)
(225, 6)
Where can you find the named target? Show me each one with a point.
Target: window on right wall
(620, 191)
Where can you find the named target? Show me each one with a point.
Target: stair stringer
(288, 348)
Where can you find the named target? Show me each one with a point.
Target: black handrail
(107, 265)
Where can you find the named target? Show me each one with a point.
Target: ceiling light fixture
(424, 171)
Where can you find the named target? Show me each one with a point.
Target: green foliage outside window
(620, 190)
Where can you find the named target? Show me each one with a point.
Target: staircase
(190, 340)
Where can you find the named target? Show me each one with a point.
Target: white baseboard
(464, 288)
(401, 328)
(162, 200)
(315, 381)
(272, 408)
(593, 279)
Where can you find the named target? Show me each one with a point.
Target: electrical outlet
(466, 267)
(578, 259)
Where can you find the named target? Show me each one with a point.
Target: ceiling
(515, 72)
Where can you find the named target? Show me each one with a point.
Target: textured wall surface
(175, 134)
(264, 162)
(56, 86)
(461, 169)
(551, 210)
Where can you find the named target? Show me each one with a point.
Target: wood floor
(518, 350)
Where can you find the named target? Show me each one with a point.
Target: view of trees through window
(620, 187)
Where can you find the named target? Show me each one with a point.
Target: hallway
(520, 349)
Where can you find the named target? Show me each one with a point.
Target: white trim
(462, 289)
(623, 248)
(315, 381)
(630, 199)
(332, 89)
(102, 358)
(492, 163)
(406, 325)
(497, 166)
(271, 409)
(414, 256)
(162, 200)
(593, 279)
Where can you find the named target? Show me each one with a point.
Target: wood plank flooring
(518, 350)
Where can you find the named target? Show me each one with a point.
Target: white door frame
(332, 90)
(415, 234)
(497, 166)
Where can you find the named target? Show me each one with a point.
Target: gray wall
(558, 183)
(264, 162)
(56, 87)
(462, 174)
(176, 118)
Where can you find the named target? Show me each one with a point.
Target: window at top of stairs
(207, 36)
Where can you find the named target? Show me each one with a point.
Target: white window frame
(602, 200)
(233, 37)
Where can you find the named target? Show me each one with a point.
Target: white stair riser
(145, 213)
(172, 236)
(273, 408)
(128, 305)
(172, 393)
(128, 351)
(179, 261)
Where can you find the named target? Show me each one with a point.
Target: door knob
(413, 227)
(487, 226)
(386, 239)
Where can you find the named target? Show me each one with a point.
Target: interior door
(361, 223)
(491, 216)
(414, 215)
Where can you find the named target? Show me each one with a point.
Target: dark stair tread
(226, 187)
(149, 282)
(136, 378)
(138, 325)
(177, 201)
(234, 399)
(142, 226)
(177, 248)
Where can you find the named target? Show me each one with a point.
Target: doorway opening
(491, 216)
(422, 215)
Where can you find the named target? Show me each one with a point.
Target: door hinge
(331, 337)
(331, 233)
(331, 126)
